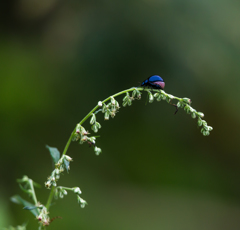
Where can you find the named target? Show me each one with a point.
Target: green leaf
(19, 200)
(55, 154)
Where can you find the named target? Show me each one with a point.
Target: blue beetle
(154, 82)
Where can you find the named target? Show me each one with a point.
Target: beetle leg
(176, 108)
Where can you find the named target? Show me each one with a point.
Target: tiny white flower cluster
(127, 100)
(60, 166)
(82, 135)
(110, 109)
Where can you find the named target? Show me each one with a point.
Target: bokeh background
(59, 58)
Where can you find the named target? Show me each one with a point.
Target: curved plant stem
(90, 113)
(107, 99)
(185, 102)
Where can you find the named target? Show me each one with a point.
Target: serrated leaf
(55, 154)
(19, 200)
(66, 164)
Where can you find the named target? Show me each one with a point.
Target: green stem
(33, 192)
(50, 198)
(90, 113)
(66, 188)
(68, 143)
(96, 107)
(87, 116)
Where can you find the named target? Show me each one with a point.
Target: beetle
(154, 82)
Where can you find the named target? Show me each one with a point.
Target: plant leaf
(55, 154)
(19, 200)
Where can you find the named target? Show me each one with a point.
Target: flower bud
(113, 114)
(113, 108)
(97, 150)
(92, 139)
(61, 195)
(68, 158)
(193, 115)
(117, 105)
(81, 201)
(82, 130)
(94, 128)
(163, 97)
(48, 184)
(83, 139)
(56, 194)
(100, 104)
(192, 110)
(104, 108)
(61, 169)
(113, 101)
(93, 119)
(186, 108)
(138, 94)
(54, 184)
(187, 100)
(151, 98)
(129, 102)
(78, 128)
(125, 103)
(134, 92)
(206, 133)
(200, 114)
(77, 190)
(199, 122)
(39, 218)
(106, 115)
(179, 104)
(210, 128)
(159, 98)
(126, 97)
(168, 99)
(98, 125)
(75, 136)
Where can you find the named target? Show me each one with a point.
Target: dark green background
(156, 171)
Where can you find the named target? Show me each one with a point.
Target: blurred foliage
(59, 58)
